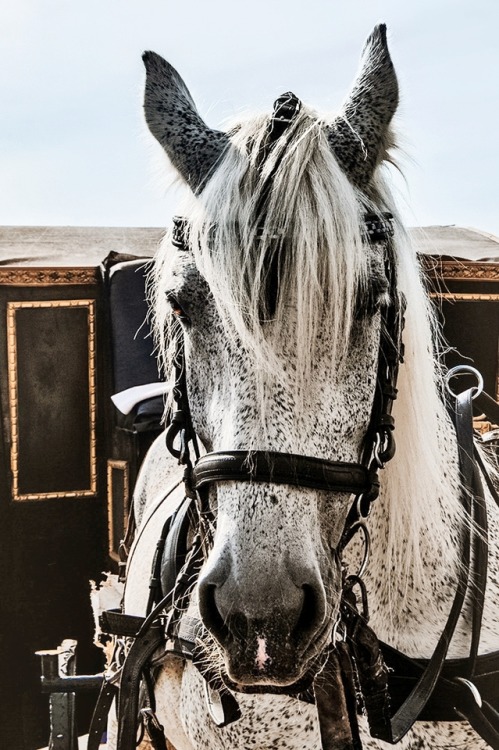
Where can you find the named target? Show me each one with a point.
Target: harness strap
(334, 692)
(485, 721)
(413, 706)
(488, 405)
(451, 694)
(138, 657)
(107, 694)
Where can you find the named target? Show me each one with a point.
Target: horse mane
(314, 206)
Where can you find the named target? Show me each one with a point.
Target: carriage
(275, 623)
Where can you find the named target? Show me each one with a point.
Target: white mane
(312, 204)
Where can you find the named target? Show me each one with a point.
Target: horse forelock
(313, 208)
(298, 213)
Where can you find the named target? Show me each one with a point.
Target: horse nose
(287, 597)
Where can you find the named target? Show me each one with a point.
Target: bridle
(359, 479)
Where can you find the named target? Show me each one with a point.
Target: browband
(281, 468)
(377, 228)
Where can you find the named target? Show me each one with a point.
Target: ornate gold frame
(466, 296)
(455, 270)
(46, 276)
(114, 464)
(12, 308)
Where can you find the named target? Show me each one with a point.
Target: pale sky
(74, 150)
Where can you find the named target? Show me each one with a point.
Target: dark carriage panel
(62, 508)
(52, 398)
(52, 517)
(466, 293)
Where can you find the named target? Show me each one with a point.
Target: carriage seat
(137, 388)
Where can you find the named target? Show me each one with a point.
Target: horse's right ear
(172, 117)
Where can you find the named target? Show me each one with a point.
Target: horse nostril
(312, 614)
(210, 614)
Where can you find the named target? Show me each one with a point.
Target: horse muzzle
(269, 627)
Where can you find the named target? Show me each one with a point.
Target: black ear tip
(149, 58)
(382, 33)
(377, 40)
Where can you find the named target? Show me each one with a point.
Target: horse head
(278, 296)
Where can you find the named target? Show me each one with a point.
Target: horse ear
(360, 135)
(172, 117)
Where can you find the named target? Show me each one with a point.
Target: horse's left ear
(360, 135)
(193, 147)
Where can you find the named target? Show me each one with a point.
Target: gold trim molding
(116, 465)
(465, 297)
(56, 276)
(454, 270)
(12, 308)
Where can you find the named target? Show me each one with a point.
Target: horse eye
(177, 309)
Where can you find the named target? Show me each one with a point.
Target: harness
(359, 674)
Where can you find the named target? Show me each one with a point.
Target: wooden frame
(113, 543)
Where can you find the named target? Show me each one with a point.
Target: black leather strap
(175, 547)
(488, 406)
(413, 706)
(281, 468)
(334, 691)
(115, 622)
(98, 724)
(140, 653)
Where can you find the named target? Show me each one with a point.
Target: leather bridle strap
(471, 494)
(282, 468)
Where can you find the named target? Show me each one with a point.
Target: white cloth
(126, 400)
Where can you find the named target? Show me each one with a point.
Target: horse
(278, 298)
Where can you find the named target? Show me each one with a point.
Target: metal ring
(361, 526)
(214, 704)
(461, 369)
(377, 451)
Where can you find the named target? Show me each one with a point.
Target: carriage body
(463, 273)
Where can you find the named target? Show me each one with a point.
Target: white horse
(279, 297)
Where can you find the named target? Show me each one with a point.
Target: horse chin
(273, 663)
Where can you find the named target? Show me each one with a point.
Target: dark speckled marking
(173, 119)
(360, 136)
